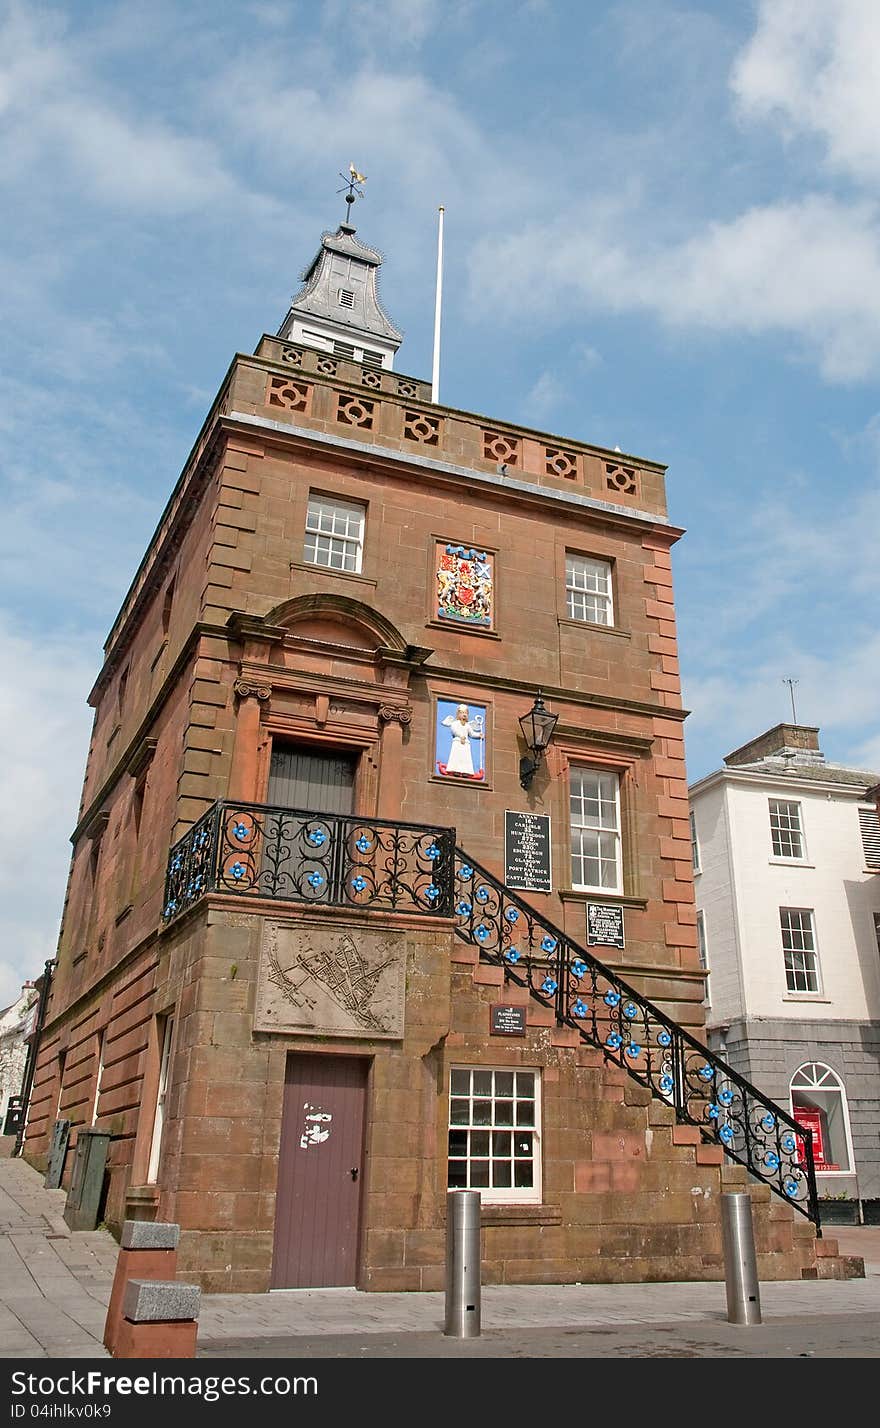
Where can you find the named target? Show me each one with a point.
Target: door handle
(354, 1172)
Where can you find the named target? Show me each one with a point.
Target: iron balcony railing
(253, 849)
(634, 1034)
(291, 855)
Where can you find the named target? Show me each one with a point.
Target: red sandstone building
(299, 1002)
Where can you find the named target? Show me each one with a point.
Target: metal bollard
(740, 1265)
(463, 1264)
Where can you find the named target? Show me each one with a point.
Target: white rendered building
(16, 1025)
(786, 854)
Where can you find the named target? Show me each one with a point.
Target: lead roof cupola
(338, 309)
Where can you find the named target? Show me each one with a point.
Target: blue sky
(662, 234)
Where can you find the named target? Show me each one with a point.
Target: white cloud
(387, 122)
(545, 396)
(791, 593)
(836, 690)
(813, 67)
(376, 25)
(809, 270)
(74, 520)
(52, 115)
(44, 729)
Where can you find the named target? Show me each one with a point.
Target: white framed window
(799, 949)
(595, 830)
(99, 1075)
(703, 949)
(786, 831)
(62, 1058)
(695, 844)
(495, 1133)
(166, 1030)
(588, 590)
(334, 534)
(818, 1104)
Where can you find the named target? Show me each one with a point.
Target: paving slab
(55, 1285)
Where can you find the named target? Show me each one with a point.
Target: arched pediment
(337, 619)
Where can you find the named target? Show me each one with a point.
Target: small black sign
(604, 925)
(507, 1020)
(527, 851)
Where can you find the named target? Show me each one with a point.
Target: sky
(662, 234)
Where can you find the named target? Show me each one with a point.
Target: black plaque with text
(506, 1020)
(604, 925)
(527, 851)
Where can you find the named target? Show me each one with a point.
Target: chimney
(793, 743)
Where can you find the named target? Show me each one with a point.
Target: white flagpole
(435, 378)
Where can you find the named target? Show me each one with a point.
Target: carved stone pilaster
(242, 690)
(389, 713)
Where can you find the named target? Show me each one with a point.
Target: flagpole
(435, 378)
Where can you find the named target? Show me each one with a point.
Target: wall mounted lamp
(537, 728)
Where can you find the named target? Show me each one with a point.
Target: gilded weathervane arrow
(354, 183)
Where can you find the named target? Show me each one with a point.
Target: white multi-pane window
(588, 590)
(799, 949)
(695, 844)
(702, 949)
(334, 534)
(595, 830)
(99, 1075)
(166, 1034)
(494, 1134)
(786, 833)
(818, 1102)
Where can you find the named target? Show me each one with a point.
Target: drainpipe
(31, 1063)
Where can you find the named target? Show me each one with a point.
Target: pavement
(55, 1284)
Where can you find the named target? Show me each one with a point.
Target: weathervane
(353, 184)
(791, 684)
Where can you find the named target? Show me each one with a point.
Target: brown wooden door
(311, 779)
(320, 1172)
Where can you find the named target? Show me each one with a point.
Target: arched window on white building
(818, 1103)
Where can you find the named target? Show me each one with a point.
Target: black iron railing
(252, 849)
(636, 1035)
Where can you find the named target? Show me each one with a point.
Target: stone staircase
(644, 1200)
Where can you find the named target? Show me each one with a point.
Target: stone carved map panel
(331, 980)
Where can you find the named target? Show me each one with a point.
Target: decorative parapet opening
(623, 480)
(355, 411)
(418, 426)
(288, 394)
(501, 448)
(560, 463)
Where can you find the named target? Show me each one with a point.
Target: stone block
(154, 1301)
(149, 1235)
(156, 1264)
(709, 1155)
(157, 1340)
